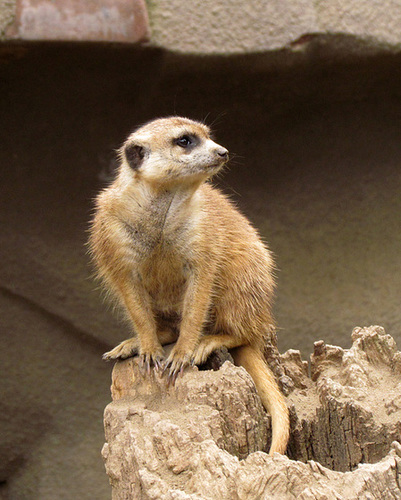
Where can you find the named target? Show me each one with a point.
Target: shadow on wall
(316, 153)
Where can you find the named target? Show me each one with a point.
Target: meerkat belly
(165, 276)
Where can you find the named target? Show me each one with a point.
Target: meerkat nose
(222, 152)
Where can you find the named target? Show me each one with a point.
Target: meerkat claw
(141, 364)
(157, 364)
(174, 368)
(178, 373)
(171, 379)
(147, 361)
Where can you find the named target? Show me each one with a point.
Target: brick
(77, 20)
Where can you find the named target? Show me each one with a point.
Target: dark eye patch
(187, 141)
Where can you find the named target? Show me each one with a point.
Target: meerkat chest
(165, 244)
(166, 272)
(151, 224)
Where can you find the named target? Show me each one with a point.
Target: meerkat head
(170, 150)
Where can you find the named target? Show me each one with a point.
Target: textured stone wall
(315, 164)
(206, 26)
(236, 26)
(7, 16)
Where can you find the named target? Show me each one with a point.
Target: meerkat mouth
(206, 169)
(219, 164)
(213, 169)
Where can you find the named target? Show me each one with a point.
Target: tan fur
(186, 265)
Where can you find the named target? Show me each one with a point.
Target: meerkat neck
(147, 190)
(161, 203)
(174, 188)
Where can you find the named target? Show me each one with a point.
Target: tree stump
(206, 437)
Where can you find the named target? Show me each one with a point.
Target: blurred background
(307, 98)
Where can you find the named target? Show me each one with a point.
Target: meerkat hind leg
(206, 346)
(210, 343)
(123, 350)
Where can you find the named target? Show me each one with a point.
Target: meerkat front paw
(124, 350)
(176, 362)
(154, 358)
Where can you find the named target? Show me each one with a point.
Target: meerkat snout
(223, 152)
(218, 152)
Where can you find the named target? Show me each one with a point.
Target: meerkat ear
(134, 154)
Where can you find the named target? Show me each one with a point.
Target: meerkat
(186, 265)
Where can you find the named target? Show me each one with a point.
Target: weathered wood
(356, 402)
(205, 438)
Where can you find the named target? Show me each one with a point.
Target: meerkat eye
(185, 141)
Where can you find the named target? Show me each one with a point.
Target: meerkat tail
(269, 393)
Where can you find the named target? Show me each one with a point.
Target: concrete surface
(316, 146)
(235, 26)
